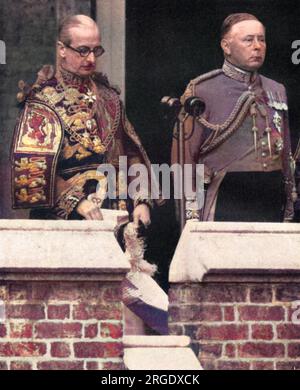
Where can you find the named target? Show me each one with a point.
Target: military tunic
(243, 141)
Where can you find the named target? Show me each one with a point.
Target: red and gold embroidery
(30, 179)
(40, 131)
(37, 142)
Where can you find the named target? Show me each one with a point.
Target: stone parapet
(235, 292)
(60, 291)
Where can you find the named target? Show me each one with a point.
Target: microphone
(194, 106)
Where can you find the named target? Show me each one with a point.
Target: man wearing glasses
(72, 122)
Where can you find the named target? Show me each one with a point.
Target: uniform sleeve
(193, 135)
(36, 144)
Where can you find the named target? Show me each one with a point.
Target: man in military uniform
(72, 122)
(242, 138)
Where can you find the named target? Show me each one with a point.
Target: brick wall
(238, 325)
(61, 325)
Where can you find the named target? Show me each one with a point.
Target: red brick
(92, 366)
(26, 311)
(42, 291)
(22, 349)
(294, 350)
(261, 350)
(2, 330)
(288, 365)
(210, 292)
(67, 291)
(230, 350)
(21, 330)
(98, 350)
(111, 366)
(288, 293)
(60, 365)
(232, 365)
(261, 313)
(184, 294)
(222, 332)
(58, 312)
(222, 293)
(3, 366)
(19, 291)
(20, 366)
(115, 331)
(288, 331)
(229, 313)
(91, 331)
(261, 294)
(112, 311)
(195, 313)
(60, 350)
(112, 294)
(48, 330)
(263, 365)
(210, 351)
(262, 332)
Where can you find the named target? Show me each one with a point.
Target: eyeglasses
(85, 51)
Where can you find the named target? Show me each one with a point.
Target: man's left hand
(141, 213)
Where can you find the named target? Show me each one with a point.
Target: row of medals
(277, 104)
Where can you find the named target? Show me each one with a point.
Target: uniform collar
(238, 74)
(70, 78)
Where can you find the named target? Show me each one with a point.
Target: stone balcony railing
(60, 291)
(235, 290)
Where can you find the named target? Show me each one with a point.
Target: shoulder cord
(230, 125)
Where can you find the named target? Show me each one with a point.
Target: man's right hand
(89, 210)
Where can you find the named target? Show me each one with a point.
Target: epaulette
(102, 79)
(190, 89)
(206, 76)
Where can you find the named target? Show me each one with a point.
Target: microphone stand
(181, 154)
(192, 107)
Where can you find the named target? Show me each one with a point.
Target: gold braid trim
(68, 201)
(230, 125)
(223, 131)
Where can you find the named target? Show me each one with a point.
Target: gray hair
(71, 22)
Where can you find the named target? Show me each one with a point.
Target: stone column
(235, 290)
(111, 16)
(60, 295)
